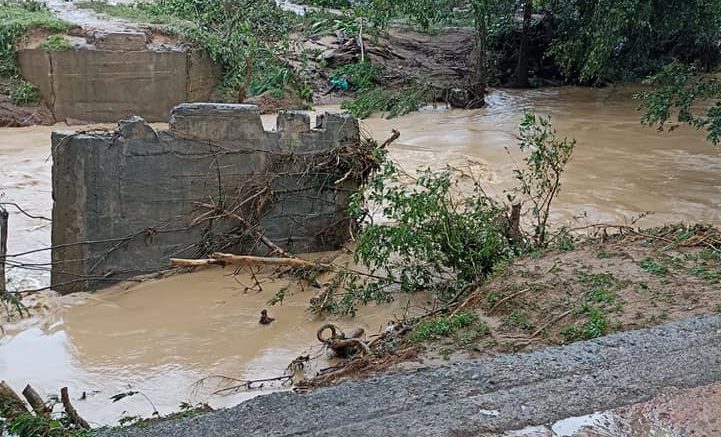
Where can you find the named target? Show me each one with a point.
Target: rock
(459, 98)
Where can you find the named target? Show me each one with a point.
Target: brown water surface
(161, 336)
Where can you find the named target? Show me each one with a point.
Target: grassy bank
(16, 20)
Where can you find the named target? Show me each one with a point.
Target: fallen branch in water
(71, 412)
(242, 260)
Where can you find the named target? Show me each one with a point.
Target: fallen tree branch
(35, 401)
(248, 260)
(241, 260)
(507, 298)
(181, 262)
(550, 322)
(71, 412)
(265, 240)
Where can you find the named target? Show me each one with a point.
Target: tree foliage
(597, 41)
(680, 95)
(439, 231)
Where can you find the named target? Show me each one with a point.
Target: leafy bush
(16, 18)
(25, 94)
(394, 104)
(56, 43)
(362, 75)
(441, 232)
(540, 179)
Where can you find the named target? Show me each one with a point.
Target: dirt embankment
(576, 291)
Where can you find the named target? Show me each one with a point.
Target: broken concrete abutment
(106, 76)
(125, 202)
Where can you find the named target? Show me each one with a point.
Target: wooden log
(248, 260)
(71, 412)
(3, 246)
(35, 401)
(11, 405)
(179, 262)
(243, 260)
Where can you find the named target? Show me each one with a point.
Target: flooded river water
(160, 336)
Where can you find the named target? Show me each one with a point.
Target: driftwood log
(243, 260)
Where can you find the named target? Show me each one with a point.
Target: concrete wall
(126, 202)
(117, 76)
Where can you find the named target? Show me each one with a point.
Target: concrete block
(126, 202)
(120, 41)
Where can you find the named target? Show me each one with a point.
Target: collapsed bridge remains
(107, 76)
(125, 202)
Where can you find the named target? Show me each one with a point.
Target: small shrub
(361, 75)
(443, 326)
(653, 267)
(25, 94)
(394, 104)
(565, 243)
(596, 325)
(56, 43)
(540, 180)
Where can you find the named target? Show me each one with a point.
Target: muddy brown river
(161, 336)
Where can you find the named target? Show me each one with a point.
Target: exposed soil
(12, 115)
(602, 285)
(439, 59)
(595, 287)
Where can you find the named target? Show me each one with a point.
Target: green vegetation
(520, 319)
(30, 425)
(440, 235)
(393, 103)
(693, 98)
(653, 267)
(447, 326)
(540, 180)
(248, 38)
(595, 326)
(16, 19)
(56, 43)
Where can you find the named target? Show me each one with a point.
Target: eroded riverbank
(160, 337)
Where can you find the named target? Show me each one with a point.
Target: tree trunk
(478, 80)
(522, 67)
